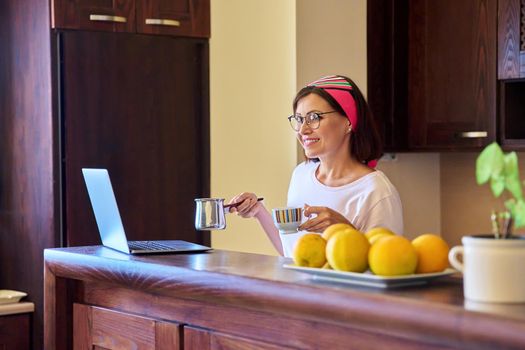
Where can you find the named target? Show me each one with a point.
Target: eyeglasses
(312, 119)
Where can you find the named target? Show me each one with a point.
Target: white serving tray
(10, 296)
(368, 279)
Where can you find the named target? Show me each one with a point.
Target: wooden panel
(15, 332)
(140, 111)
(27, 202)
(76, 14)
(387, 50)
(108, 329)
(115, 330)
(452, 65)
(193, 17)
(508, 39)
(201, 339)
(168, 336)
(196, 339)
(225, 341)
(82, 327)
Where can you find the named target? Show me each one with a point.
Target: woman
(337, 183)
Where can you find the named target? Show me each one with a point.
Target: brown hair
(365, 142)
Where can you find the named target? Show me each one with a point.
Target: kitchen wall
(252, 81)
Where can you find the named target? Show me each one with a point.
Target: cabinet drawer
(174, 17)
(103, 15)
(111, 329)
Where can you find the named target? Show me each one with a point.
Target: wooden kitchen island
(99, 298)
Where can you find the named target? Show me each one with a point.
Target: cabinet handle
(108, 18)
(472, 134)
(163, 22)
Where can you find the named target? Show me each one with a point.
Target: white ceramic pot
(493, 269)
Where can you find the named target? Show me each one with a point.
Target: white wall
(252, 84)
(331, 39)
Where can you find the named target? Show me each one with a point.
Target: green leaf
(489, 163)
(512, 177)
(519, 214)
(497, 184)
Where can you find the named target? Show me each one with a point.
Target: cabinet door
(104, 15)
(138, 106)
(174, 17)
(200, 339)
(98, 328)
(14, 331)
(452, 73)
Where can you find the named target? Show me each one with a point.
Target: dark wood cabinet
(111, 16)
(511, 72)
(189, 18)
(15, 331)
(447, 52)
(99, 328)
(138, 111)
(174, 17)
(202, 339)
(135, 104)
(452, 70)
(233, 300)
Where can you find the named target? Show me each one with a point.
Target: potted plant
(501, 171)
(493, 265)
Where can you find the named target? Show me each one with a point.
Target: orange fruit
(392, 256)
(333, 229)
(377, 237)
(378, 231)
(310, 250)
(347, 250)
(432, 253)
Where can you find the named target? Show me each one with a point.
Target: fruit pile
(343, 248)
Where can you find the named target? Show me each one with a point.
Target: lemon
(309, 250)
(347, 250)
(391, 256)
(432, 253)
(333, 229)
(378, 230)
(377, 237)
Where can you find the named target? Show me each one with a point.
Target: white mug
(493, 269)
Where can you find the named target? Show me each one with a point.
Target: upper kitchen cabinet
(511, 72)
(440, 75)
(188, 18)
(104, 15)
(174, 17)
(451, 73)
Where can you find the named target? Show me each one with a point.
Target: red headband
(339, 88)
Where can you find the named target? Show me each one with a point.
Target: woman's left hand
(325, 217)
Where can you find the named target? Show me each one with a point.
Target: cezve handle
(227, 207)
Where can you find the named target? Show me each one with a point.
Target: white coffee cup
(493, 269)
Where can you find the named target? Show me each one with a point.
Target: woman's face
(331, 139)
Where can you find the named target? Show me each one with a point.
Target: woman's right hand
(248, 207)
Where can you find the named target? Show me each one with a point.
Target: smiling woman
(337, 183)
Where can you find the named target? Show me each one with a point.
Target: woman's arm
(250, 208)
(266, 221)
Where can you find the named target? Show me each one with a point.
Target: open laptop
(110, 224)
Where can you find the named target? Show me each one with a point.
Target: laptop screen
(105, 208)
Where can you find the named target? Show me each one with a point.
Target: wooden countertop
(254, 282)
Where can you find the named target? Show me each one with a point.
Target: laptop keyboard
(150, 245)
